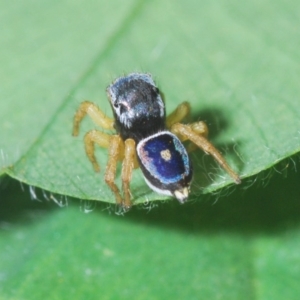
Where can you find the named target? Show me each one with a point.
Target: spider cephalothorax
(145, 138)
(137, 106)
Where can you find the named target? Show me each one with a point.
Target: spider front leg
(116, 151)
(180, 112)
(96, 114)
(188, 133)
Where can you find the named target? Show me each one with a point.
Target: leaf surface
(235, 63)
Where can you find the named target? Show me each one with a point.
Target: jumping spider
(145, 138)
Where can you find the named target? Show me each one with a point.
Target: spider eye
(121, 107)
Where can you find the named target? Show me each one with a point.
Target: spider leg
(115, 147)
(180, 112)
(95, 137)
(198, 127)
(127, 167)
(188, 133)
(97, 115)
(201, 129)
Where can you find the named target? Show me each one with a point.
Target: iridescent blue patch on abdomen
(164, 156)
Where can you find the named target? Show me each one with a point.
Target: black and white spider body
(137, 106)
(145, 138)
(139, 113)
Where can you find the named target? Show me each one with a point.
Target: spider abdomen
(165, 164)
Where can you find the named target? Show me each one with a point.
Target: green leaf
(237, 63)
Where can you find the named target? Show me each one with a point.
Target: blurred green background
(245, 246)
(238, 65)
